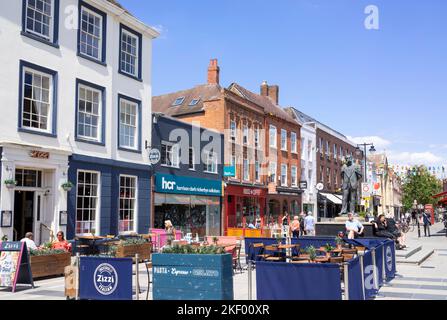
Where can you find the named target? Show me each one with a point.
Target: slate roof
(164, 103)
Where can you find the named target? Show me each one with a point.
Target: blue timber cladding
(161, 132)
(110, 171)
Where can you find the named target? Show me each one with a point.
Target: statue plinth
(344, 218)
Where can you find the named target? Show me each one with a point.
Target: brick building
(331, 148)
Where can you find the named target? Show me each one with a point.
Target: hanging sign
(39, 154)
(366, 190)
(14, 265)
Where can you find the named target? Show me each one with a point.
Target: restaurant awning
(443, 194)
(332, 198)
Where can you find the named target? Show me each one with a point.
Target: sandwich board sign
(14, 265)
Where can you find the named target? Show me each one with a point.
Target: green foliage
(312, 252)
(420, 185)
(47, 245)
(45, 252)
(133, 241)
(10, 181)
(5, 238)
(362, 214)
(215, 240)
(188, 249)
(339, 241)
(329, 248)
(67, 185)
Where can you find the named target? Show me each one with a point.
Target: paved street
(425, 282)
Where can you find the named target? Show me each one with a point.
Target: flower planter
(192, 277)
(67, 189)
(10, 185)
(143, 250)
(50, 265)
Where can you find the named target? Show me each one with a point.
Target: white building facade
(75, 84)
(309, 167)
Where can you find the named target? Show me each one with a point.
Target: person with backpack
(427, 223)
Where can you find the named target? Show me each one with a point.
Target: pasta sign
(14, 265)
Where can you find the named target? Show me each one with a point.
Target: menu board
(8, 267)
(14, 265)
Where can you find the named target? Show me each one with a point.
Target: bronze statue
(351, 175)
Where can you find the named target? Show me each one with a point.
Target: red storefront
(244, 205)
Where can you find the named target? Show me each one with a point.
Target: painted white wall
(69, 66)
(308, 133)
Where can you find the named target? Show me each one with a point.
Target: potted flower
(312, 252)
(67, 186)
(46, 262)
(10, 183)
(130, 247)
(328, 248)
(186, 272)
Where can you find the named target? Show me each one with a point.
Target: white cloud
(379, 143)
(415, 158)
(162, 30)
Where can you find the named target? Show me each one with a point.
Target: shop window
(127, 210)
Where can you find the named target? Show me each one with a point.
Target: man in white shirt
(353, 227)
(309, 224)
(30, 244)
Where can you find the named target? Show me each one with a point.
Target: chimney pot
(213, 72)
(264, 89)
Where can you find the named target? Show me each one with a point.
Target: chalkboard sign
(14, 265)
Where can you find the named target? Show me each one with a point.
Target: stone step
(408, 252)
(417, 258)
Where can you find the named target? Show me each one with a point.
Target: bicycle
(403, 226)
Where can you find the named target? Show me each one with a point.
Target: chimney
(213, 72)
(274, 94)
(270, 91)
(264, 89)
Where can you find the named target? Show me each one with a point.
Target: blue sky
(389, 84)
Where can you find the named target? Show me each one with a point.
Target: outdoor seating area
(293, 271)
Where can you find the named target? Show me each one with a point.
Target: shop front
(193, 205)
(31, 196)
(329, 205)
(245, 211)
(285, 200)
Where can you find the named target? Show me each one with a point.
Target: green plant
(215, 240)
(133, 241)
(67, 185)
(312, 252)
(45, 252)
(188, 249)
(328, 247)
(339, 241)
(5, 238)
(10, 182)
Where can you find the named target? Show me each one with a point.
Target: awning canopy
(443, 194)
(332, 198)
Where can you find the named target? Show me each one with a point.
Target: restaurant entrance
(23, 213)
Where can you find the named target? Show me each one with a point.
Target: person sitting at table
(391, 227)
(354, 228)
(30, 244)
(60, 243)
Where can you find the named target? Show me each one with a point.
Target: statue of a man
(351, 175)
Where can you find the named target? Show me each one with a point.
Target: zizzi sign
(39, 154)
(105, 279)
(184, 185)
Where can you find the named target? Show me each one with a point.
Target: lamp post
(358, 151)
(415, 208)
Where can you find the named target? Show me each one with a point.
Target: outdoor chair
(295, 252)
(348, 257)
(272, 253)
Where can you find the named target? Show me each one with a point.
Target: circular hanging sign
(154, 156)
(320, 186)
(376, 186)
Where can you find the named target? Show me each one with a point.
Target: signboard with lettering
(14, 265)
(39, 154)
(154, 156)
(229, 171)
(366, 190)
(303, 185)
(165, 183)
(105, 278)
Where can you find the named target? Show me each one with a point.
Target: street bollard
(137, 275)
(363, 275)
(78, 261)
(376, 276)
(383, 264)
(346, 278)
(249, 280)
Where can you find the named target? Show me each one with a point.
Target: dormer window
(178, 102)
(194, 102)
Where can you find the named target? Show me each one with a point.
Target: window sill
(139, 79)
(39, 39)
(40, 133)
(209, 172)
(130, 150)
(167, 166)
(83, 56)
(97, 143)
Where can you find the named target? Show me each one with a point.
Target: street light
(417, 207)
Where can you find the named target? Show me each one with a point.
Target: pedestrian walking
(309, 224)
(302, 231)
(427, 223)
(295, 227)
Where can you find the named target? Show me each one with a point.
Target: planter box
(192, 277)
(50, 265)
(144, 250)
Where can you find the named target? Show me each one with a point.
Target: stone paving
(425, 282)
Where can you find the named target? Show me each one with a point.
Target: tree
(420, 185)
